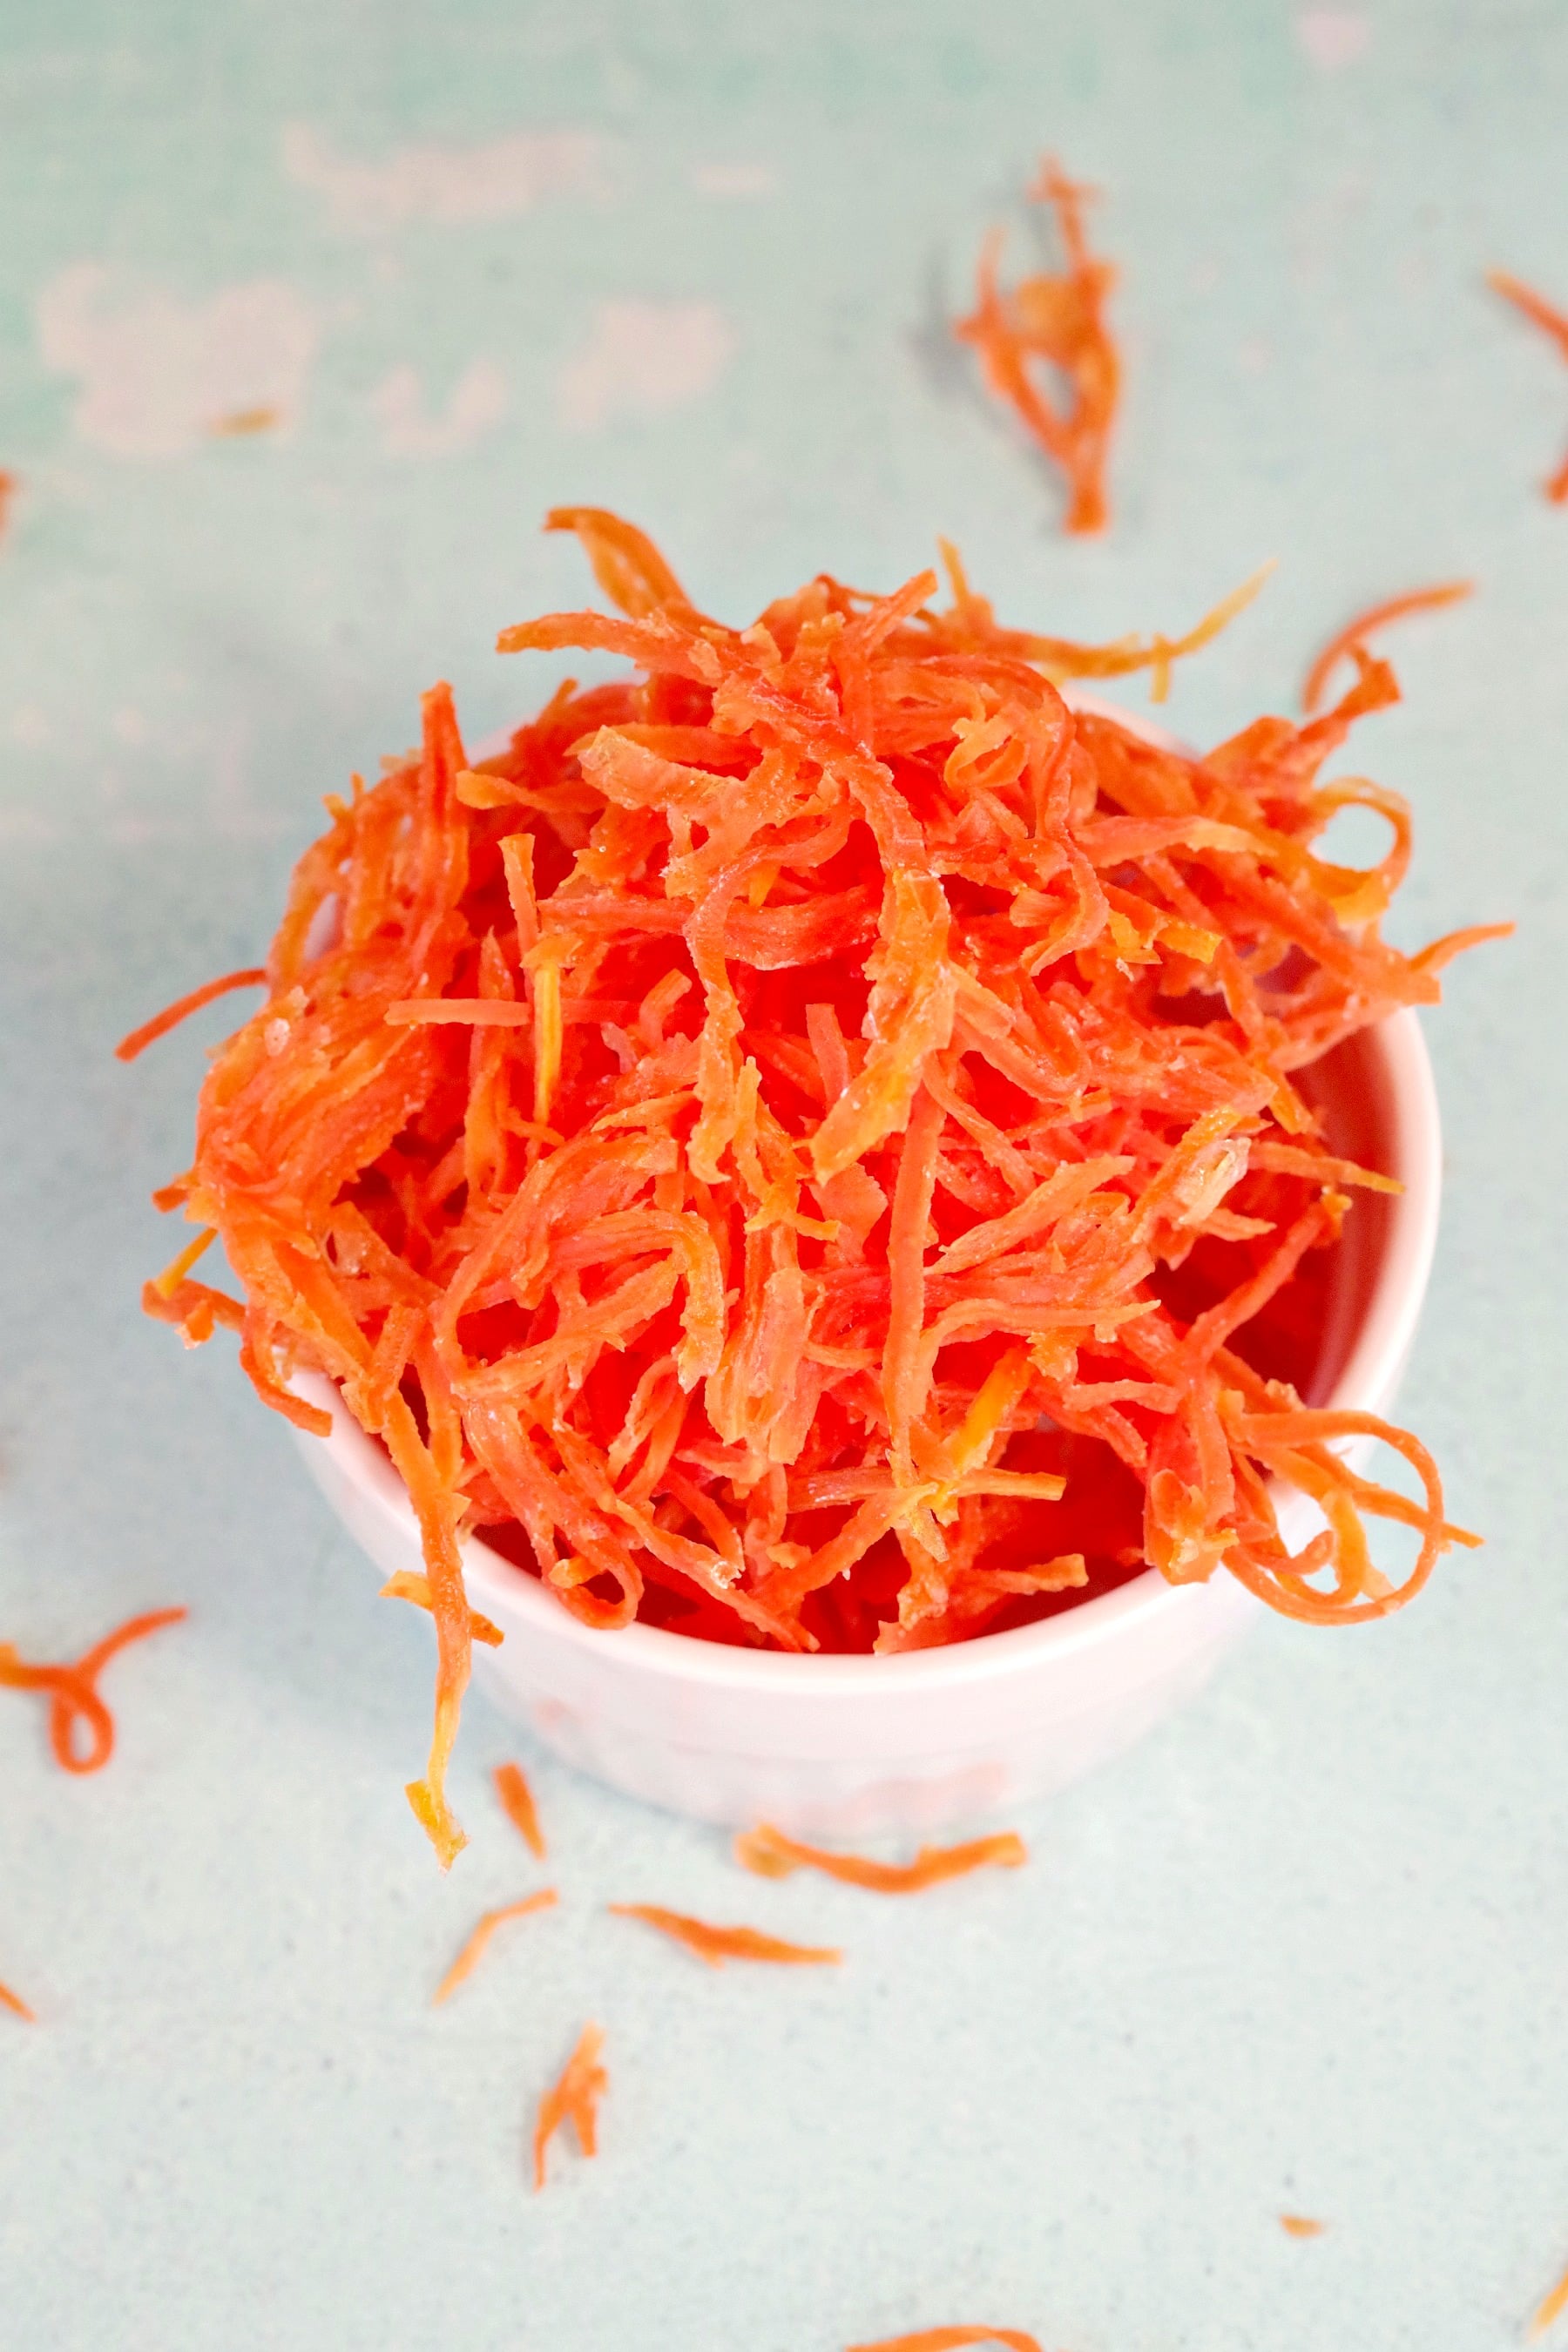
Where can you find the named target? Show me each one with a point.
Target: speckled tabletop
(1305, 1949)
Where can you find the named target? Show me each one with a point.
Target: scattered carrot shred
(8, 492)
(517, 1803)
(1059, 322)
(1551, 321)
(1301, 2225)
(888, 1204)
(1551, 2310)
(172, 1014)
(771, 1855)
(1355, 633)
(73, 1690)
(473, 1952)
(17, 2005)
(717, 1945)
(574, 2099)
(953, 2339)
(235, 423)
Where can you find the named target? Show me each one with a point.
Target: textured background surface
(1306, 1948)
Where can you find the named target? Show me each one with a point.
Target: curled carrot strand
(574, 2099)
(717, 1945)
(771, 1855)
(172, 1014)
(1551, 321)
(72, 1690)
(1356, 632)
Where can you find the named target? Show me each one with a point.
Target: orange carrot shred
(1354, 632)
(406, 1584)
(574, 2099)
(172, 1015)
(1551, 2310)
(1059, 322)
(17, 2005)
(517, 1803)
(771, 1855)
(1301, 2225)
(814, 1145)
(73, 1690)
(953, 2339)
(8, 492)
(169, 1281)
(473, 1952)
(716, 1945)
(1551, 321)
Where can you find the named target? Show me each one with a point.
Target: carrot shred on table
(953, 2339)
(716, 1945)
(1551, 2310)
(1356, 632)
(1059, 322)
(8, 487)
(72, 1689)
(888, 1202)
(17, 2005)
(516, 1803)
(574, 2099)
(1551, 321)
(771, 1855)
(1301, 2225)
(172, 1014)
(473, 1952)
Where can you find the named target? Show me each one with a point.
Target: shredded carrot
(473, 1952)
(406, 1584)
(169, 1281)
(1301, 2225)
(172, 1014)
(517, 1803)
(1356, 632)
(717, 1945)
(8, 492)
(1555, 2304)
(883, 1205)
(953, 2339)
(1551, 321)
(1061, 322)
(574, 2099)
(771, 1855)
(17, 2005)
(73, 1690)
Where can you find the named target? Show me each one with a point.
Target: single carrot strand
(517, 1803)
(473, 1952)
(1553, 322)
(1393, 608)
(174, 1273)
(953, 2339)
(73, 1690)
(1555, 2304)
(771, 1855)
(17, 2005)
(7, 491)
(172, 1014)
(1301, 2225)
(574, 2099)
(717, 1945)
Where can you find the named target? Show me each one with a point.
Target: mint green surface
(1308, 1949)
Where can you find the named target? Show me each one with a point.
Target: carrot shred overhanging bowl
(806, 1147)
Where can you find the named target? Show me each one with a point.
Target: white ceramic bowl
(857, 1746)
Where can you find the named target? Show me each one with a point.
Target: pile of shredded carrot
(1551, 321)
(1057, 324)
(806, 1147)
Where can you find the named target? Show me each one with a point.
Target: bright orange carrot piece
(17, 2005)
(473, 1952)
(953, 2339)
(517, 1803)
(73, 1690)
(771, 1855)
(1355, 633)
(172, 1014)
(1301, 2225)
(717, 1945)
(1552, 2309)
(574, 2099)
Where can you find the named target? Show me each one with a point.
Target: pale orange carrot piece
(771, 1855)
(473, 1952)
(517, 1801)
(717, 1945)
(1354, 632)
(17, 2005)
(574, 2099)
(1301, 2225)
(1552, 2309)
(953, 2339)
(172, 1015)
